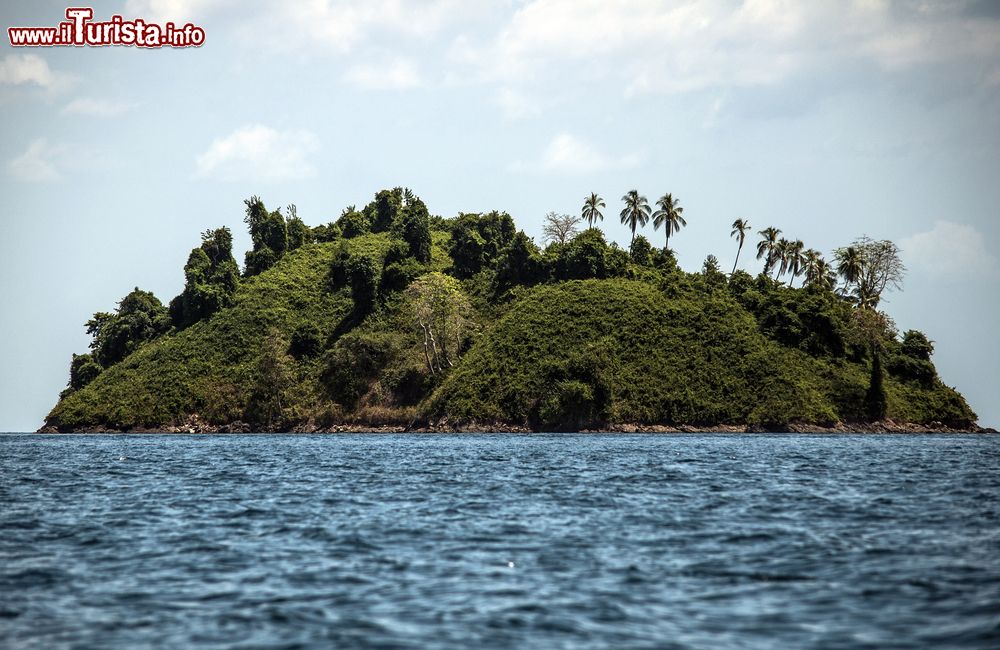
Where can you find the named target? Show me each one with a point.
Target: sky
(828, 120)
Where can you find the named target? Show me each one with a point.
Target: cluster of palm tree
(786, 256)
(637, 213)
(781, 256)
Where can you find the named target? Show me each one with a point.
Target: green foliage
(370, 327)
(140, 317)
(272, 378)
(641, 251)
(353, 223)
(269, 234)
(83, 370)
(210, 279)
(876, 401)
(520, 264)
(413, 227)
(477, 240)
(307, 341)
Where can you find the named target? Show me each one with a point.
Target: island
(392, 319)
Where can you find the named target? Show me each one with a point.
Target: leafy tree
(210, 279)
(768, 248)
(385, 207)
(669, 216)
(587, 256)
(636, 211)
(83, 370)
(299, 233)
(272, 377)
(140, 317)
(520, 264)
(560, 228)
(326, 233)
(269, 234)
(477, 240)
(413, 226)
(873, 329)
(353, 223)
(870, 268)
(363, 272)
(917, 345)
(307, 341)
(439, 310)
(641, 251)
(740, 228)
(591, 212)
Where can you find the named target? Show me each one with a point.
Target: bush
(307, 341)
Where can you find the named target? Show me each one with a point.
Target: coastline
(196, 425)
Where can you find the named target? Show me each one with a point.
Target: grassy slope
(692, 358)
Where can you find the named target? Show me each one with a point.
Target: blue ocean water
(562, 541)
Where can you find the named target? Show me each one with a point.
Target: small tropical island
(393, 319)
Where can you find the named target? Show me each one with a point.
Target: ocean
(519, 541)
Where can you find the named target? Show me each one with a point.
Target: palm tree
(669, 215)
(636, 212)
(796, 259)
(811, 260)
(768, 248)
(781, 251)
(849, 264)
(591, 209)
(740, 228)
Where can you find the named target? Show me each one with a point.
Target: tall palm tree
(796, 259)
(768, 248)
(592, 209)
(636, 212)
(740, 228)
(669, 216)
(849, 264)
(781, 256)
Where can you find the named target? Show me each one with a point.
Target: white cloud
(570, 155)
(37, 163)
(516, 104)
(397, 74)
(949, 250)
(649, 46)
(26, 68)
(257, 152)
(97, 107)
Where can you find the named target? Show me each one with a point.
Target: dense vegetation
(390, 315)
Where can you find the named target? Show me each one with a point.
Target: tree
(767, 248)
(210, 279)
(477, 239)
(870, 268)
(641, 251)
(272, 377)
(385, 207)
(560, 228)
(781, 251)
(140, 317)
(795, 259)
(439, 311)
(413, 227)
(269, 233)
(299, 233)
(817, 272)
(636, 211)
(364, 274)
(592, 209)
(740, 228)
(353, 223)
(519, 265)
(83, 369)
(669, 216)
(872, 328)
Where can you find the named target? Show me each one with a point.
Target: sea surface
(526, 541)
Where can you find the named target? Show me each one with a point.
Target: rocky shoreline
(195, 424)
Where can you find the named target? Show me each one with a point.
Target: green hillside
(462, 321)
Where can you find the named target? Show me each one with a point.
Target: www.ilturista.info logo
(79, 30)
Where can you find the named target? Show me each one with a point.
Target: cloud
(37, 164)
(949, 250)
(16, 69)
(568, 154)
(96, 107)
(257, 152)
(648, 46)
(397, 74)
